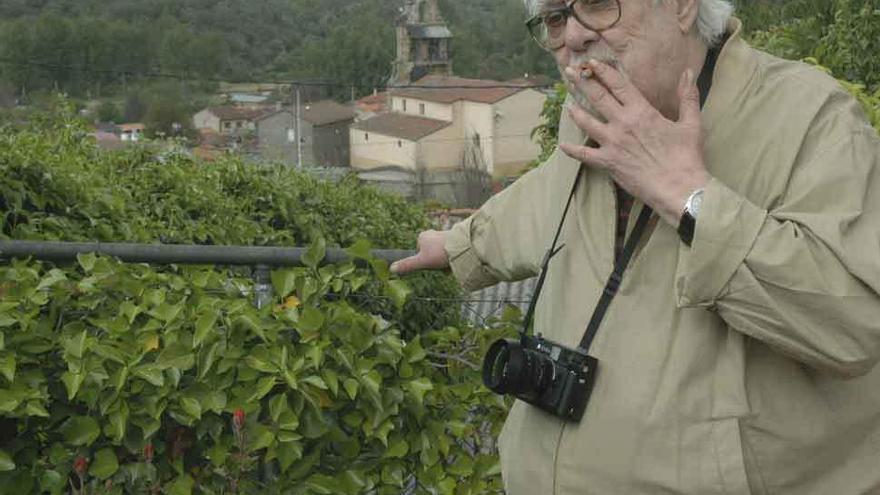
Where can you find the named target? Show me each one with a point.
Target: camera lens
(511, 369)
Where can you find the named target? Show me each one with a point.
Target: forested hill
(343, 40)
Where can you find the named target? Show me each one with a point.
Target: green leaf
(418, 388)
(166, 312)
(360, 249)
(277, 405)
(6, 462)
(118, 423)
(72, 382)
(264, 386)
(399, 291)
(332, 380)
(397, 449)
(413, 351)
(204, 328)
(151, 373)
(351, 387)
(315, 253)
(53, 277)
(284, 282)
(183, 485)
(315, 381)
(76, 345)
(311, 320)
(80, 430)
(104, 465)
(7, 367)
(324, 484)
(191, 406)
(288, 453)
(86, 261)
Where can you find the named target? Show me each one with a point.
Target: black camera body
(541, 372)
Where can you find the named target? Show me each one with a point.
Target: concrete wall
(273, 138)
(330, 145)
(379, 150)
(515, 117)
(442, 150)
(206, 120)
(433, 110)
(478, 124)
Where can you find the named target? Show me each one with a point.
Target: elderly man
(738, 354)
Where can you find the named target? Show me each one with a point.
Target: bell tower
(424, 43)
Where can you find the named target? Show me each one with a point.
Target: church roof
(449, 89)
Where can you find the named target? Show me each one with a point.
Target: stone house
(324, 135)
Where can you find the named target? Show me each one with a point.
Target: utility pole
(299, 140)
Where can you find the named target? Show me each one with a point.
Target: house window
(477, 139)
(399, 143)
(404, 105)
(421, 109)
(227, 125)
(366, 136)
(291, 135)
(238, 125)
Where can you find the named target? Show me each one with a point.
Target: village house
(446, 123)
(324, 135)
(229, 119)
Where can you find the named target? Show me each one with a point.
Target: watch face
(698, 201)
(694, 204)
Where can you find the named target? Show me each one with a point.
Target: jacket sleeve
(804, 277)
(505, 240)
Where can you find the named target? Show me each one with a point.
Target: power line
(283, 82)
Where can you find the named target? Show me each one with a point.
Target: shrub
(132, 378)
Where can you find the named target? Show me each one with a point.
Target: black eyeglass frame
(568, 11)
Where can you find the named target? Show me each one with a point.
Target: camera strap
(553, 251)
(614, 281)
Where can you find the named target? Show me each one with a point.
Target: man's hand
(431, 254)
(655, 159)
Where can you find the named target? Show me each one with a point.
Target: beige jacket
(744, 364)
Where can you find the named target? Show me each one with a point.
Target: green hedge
(131, 378)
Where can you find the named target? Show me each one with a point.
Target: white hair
(711, 19)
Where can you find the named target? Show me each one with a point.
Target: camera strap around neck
(614, 281)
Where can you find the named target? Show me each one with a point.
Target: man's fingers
(598, 96)
(619, 86)
(406, 265)
(689, 96)
(588, 123)
(584, 154)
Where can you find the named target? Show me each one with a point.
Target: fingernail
(394, 266)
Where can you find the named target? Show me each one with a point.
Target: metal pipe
(181, 254)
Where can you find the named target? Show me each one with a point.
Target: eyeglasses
(548, 28)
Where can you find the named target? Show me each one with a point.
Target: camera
(542, 373)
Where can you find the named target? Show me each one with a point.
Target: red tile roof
(449, 89)
(401, 126)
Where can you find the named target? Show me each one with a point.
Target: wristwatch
(687, 224)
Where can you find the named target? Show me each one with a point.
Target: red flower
(238, 418)
(81, 465)
(148, 452)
